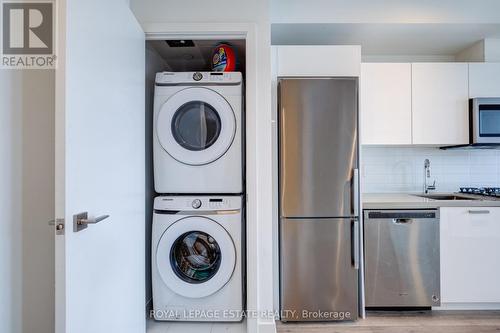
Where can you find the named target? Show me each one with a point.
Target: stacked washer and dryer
(198, 220)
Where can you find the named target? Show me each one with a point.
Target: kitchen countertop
(413, 201)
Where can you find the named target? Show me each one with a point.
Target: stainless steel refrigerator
(318, 198)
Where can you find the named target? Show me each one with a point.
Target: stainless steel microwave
(484, 121)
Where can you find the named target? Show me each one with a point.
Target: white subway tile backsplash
(401, 169)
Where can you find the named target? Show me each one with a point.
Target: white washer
(197, 254)
(198, 121)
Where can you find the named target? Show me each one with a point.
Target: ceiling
(198, 57)
(385, 11)
(387, 38)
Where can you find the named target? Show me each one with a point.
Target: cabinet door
(470, 246)
(484, 80)
(440, 103)
(385, 103)
(319, 60)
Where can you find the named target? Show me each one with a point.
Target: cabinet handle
(484, 211)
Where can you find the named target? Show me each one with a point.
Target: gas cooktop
(487, 191)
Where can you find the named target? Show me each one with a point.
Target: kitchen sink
(445, 197)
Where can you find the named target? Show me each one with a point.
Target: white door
(100, 147)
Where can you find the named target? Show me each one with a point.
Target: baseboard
(467, 306)
(267, 326)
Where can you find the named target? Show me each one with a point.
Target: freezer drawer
(402, 258)
(318, 273)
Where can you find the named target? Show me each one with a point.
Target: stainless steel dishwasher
(402, 258)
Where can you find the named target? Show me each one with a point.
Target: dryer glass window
(195, 257)
(196, 125)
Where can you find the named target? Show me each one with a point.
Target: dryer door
(196, 257)
(196, 126)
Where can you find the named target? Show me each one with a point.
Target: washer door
(196, 126)
(196, 257)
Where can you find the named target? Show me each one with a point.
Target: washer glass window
(196, 125)
(195, 257)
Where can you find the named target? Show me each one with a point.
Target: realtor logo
(28, 34)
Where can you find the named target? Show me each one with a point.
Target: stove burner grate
(489, 191)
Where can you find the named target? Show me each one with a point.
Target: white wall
(402, 169)
(492, 50)
(408, 58)
(486, 50)
(474, 53)
(385, 11)
(186, 11)
(38, 201)
(26, 201)
(10, 201)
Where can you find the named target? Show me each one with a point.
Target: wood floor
(407, 322)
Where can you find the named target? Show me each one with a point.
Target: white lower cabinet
(470, 256)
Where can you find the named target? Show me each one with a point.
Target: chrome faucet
(427, 174)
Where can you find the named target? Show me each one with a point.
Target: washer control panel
(198, 203)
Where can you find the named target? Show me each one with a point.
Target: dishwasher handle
(402, 220)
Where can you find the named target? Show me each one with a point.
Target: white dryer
(197, 254)
(198, 129)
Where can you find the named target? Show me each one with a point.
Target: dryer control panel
(194, 78)
(198, 203)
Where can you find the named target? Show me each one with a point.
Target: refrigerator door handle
(355, 192)
(355, 243)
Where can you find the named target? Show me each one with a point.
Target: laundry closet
(195, 180)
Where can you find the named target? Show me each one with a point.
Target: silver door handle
(94, 220)
(355, 191)
(355, 244)
(82, 220)
(484, 211)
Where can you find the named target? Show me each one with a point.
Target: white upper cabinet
(484, 80)
(440, 103)
(318, 60)
(470, 245)
(385, 103)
